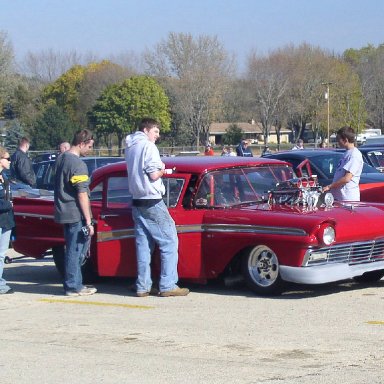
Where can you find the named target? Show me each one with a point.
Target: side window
(173, 188)
(97, 192)
(117, 193)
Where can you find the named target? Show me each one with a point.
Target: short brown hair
(347, 133)
(148, 123)
(82, 136)
(23, 141)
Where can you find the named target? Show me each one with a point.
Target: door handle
(110, 215)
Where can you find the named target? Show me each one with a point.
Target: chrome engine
(303, 191)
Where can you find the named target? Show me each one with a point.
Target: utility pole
(327, 97)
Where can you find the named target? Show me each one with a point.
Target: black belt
(145, 202)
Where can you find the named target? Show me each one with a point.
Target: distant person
(228, 151)
(299, 145)
(266, 150)
(322, 145)
(225, 151)
(243, 149)
(208, 150)
(73, 210)
(345, 184)
(153, 223)
(21, 165)
(64, 147)
(231, 151)
(7, 221)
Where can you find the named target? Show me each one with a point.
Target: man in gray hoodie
(153, 223)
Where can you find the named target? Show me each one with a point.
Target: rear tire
(369, 277)
(87, 270)
(261, 271)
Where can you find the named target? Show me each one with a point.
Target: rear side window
(117, 193)
(173, 188)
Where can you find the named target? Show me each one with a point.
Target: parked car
(323, 163)
(235, 216)
(44, 170)
(373, 156)
(45, 157)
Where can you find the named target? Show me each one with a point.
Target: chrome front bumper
(327, 273)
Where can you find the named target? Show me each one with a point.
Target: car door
(115, 243)
(189, 224)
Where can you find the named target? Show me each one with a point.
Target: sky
(112, 27)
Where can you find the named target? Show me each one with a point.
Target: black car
(45, 175)
(323, 163)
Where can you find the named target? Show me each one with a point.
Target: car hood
(300, 219)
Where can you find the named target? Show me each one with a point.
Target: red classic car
(236, 216)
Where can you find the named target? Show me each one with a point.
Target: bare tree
(48, 65)
(267, 84)
(195, 72)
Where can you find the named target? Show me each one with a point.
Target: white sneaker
(86, 291)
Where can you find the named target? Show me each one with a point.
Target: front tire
(369, 277)
(87, 270)
(261, 271)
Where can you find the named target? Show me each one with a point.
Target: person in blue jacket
(7, 221)
(243, 149)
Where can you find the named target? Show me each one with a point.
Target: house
(251, 130)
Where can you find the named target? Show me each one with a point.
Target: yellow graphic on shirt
(79, 179)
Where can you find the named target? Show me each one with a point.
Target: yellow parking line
(100, 303)
(375, 322)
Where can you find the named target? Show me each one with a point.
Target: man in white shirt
(345, 184)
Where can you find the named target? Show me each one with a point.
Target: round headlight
(328, 235)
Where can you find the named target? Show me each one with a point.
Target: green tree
(14, 132)
(6, 71)
(64, 92)
(120, 108)
(51, 128)
(233, 135)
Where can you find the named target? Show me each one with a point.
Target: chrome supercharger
(303, 191)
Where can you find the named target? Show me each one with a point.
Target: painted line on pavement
(375, 322)
(99, 303)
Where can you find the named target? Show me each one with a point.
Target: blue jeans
(4, 245)
(154, 225)
(76, 247)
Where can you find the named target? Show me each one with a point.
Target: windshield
(228, 187)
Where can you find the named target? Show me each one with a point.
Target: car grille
(352, 253)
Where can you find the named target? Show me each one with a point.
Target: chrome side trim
(34, 215)
(209, 228)
(254, 229)
(119, 234)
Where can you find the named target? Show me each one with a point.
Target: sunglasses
(6, 158)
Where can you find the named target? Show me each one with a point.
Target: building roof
(251, 128)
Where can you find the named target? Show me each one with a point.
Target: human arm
(26, 173)
(155, 175)
(85, 208)
(340, 182)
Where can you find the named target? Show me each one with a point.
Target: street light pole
(327, 97)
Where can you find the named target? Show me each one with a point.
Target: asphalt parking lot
(327, 334)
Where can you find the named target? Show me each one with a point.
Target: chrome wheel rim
(263, 266)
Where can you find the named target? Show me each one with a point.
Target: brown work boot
(177, 291)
